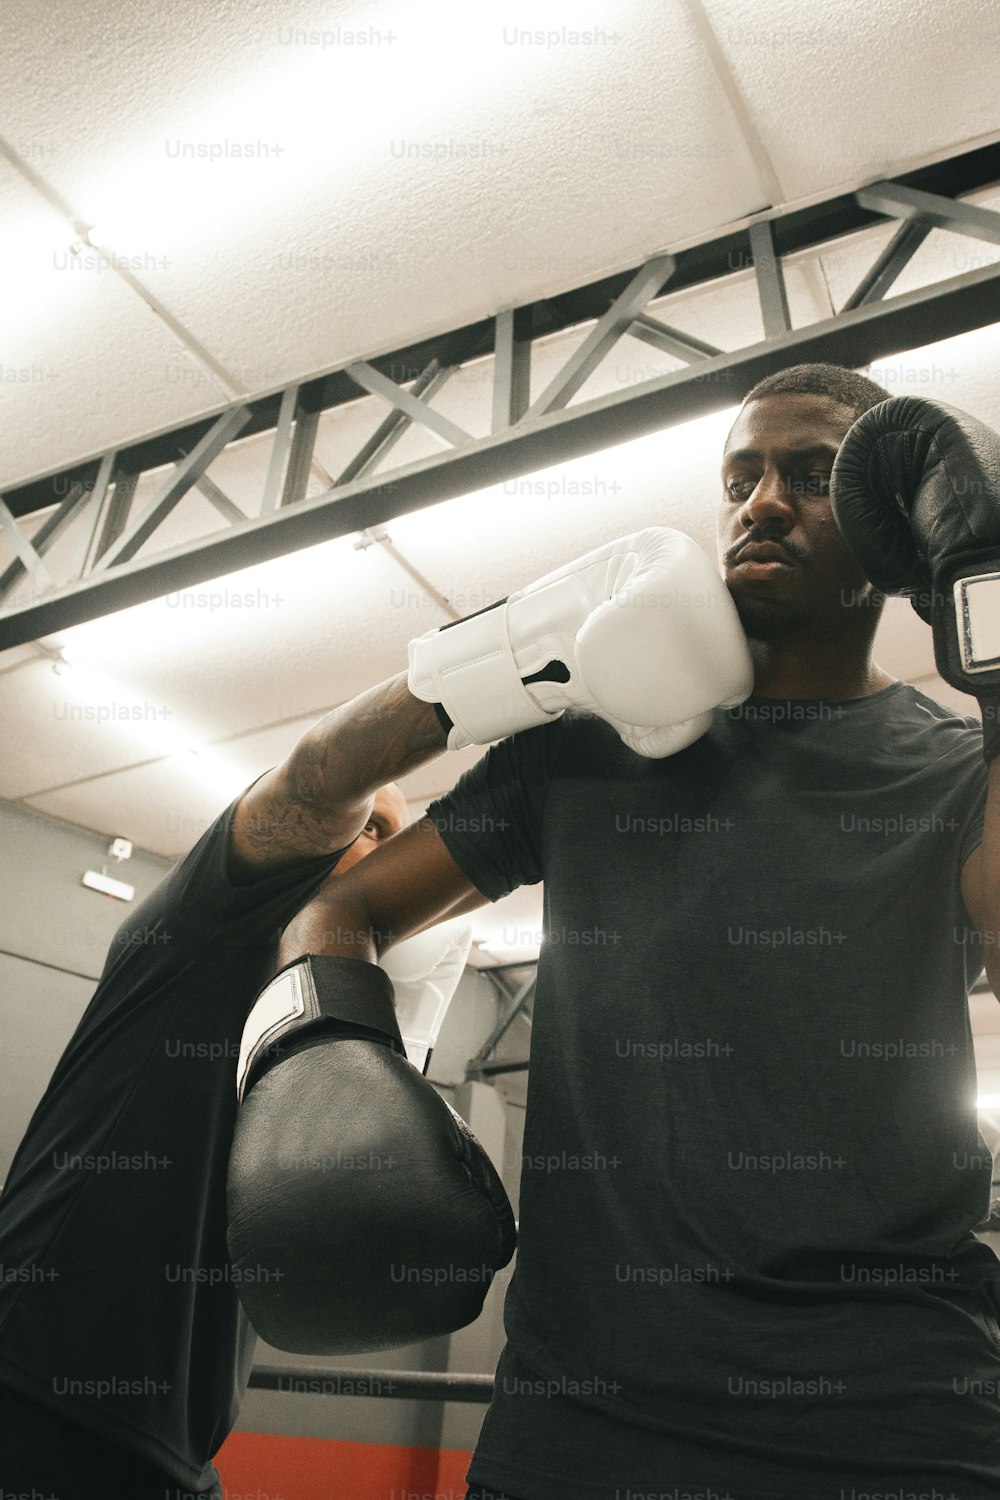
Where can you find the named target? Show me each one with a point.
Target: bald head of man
(388, 816)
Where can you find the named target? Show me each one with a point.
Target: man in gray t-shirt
(752, 1167)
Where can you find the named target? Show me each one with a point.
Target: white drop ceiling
(413, 168)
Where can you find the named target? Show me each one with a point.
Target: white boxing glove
(642, 632)
(425, 971)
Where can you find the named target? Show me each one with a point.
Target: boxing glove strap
(966, 621)
(313, 989)
(469, 667)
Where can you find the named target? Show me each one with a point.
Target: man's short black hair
(846, 386)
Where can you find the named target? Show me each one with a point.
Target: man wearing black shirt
(752, 1166)
(124, 1352)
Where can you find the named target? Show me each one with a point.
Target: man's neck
(812, 673)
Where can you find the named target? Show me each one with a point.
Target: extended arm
(654, 671)
(346, 1164)
(409, 883)
(321, 796)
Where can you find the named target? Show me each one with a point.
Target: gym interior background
(309, 312)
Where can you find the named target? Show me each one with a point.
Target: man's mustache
(757, 537)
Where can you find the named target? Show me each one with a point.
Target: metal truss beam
(494, 1070)
(643, 287)
(932, 209)
(96, 500)
(770, 281)
(480, 1065)
(898, 253)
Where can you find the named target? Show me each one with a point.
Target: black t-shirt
(752, 1162)
(118, 1305)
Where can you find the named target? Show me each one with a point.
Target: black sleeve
(491, 820)
(200, 902)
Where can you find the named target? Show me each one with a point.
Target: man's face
(784, 559)
(388, 817)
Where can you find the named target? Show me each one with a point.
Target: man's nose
(769, 502)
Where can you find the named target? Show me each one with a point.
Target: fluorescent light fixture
(96, 880)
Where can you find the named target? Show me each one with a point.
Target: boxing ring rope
(395, 1385)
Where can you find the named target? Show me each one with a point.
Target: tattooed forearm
(357, 748)
(320, 797)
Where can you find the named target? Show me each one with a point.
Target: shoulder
(918, 703)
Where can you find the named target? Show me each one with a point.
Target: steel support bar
(86, 550)
(377, 384)
(395, 1385)
(49, 532)
(901, 202)
(300, 453)
(280, 449)
(770, 281)
(670, 340)
(644, 286)
(796, 231)
(388, 433)
(493, 1070)
(114, 517)
(898, 253)
(512, 367)
(856, 338)
(26, 555)
(220, 500)
(187, 473)
(518, 1002)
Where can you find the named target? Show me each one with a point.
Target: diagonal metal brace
(27, 556)
(391, 429)
(894, 258)
(185, 475)
(671, 340)
(939, 212)
(46, 535)
(519, 1001)
(770, 280)
(647, 282)
(377, 384)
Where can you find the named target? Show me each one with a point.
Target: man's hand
(641, 632)
(916, 492)
(362, 1209)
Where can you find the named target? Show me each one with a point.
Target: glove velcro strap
(314, 990)
(470, 667)
(966, 620)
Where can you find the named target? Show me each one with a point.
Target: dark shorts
(42, 1453)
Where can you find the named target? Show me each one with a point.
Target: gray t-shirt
(752, 1163)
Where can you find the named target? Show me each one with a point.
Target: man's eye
(738, 489)
(814, 484)
(371, 828)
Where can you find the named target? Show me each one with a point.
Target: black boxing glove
(363, 1212)
(916, 493)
